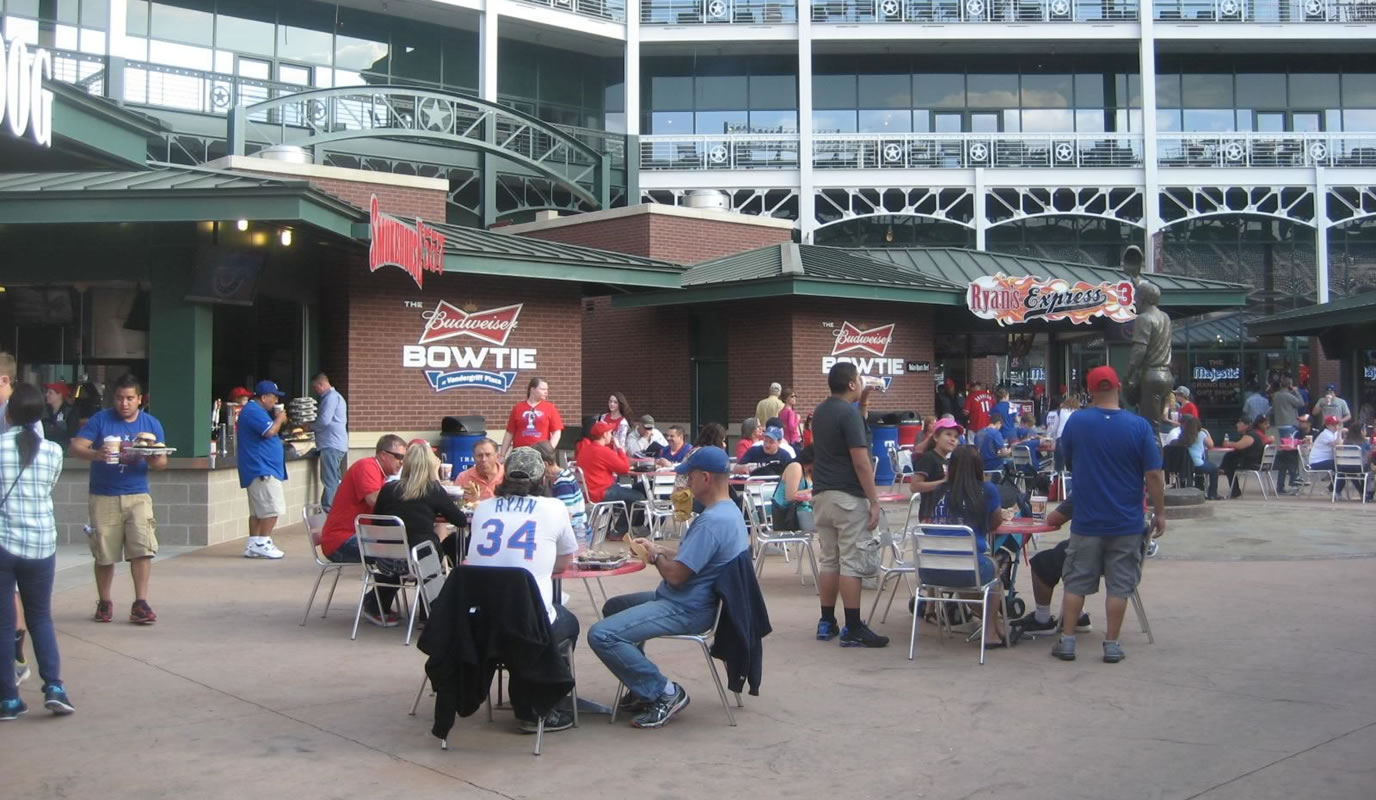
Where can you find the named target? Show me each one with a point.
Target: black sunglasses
(397, 456)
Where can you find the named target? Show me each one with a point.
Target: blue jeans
(331, 468)
(1286, 432)
(1210, 469)
(630, 495)
(34, 576)
(631, 619)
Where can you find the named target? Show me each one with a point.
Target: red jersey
(361, 480)
(1189, 408)
(977, 408)
(530, 424)
(600, 464)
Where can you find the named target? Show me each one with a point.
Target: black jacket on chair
(485, 617)
(744, 624)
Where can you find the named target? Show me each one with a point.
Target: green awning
(1359, 309)
(800, 270)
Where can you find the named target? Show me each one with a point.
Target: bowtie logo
(492, 326)
(850, 339)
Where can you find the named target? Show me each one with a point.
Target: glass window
(1168, 119)
(782, 121)
(1208, 119)
(564, 86)
(415, 52)
(136, 18)
(773, 92)
(1305, 122)
(1130, 120)
(247, 28)
(922, 120)
(1270, 121)
(1314, 90)
(1047, 120)
(721, 91)
(1048, 91)
(1012, 121)
(361, 44)
(461, 60)
(1359, 119)
(95, 14)
(948, 122)
(68, 11)
(671, 122)
(984, 122)
(1090, 120)
(1089, 91)
(186, 25)
(833, 91)
(179, 55)
(1167, 91)
(1359, 89)
(939, 91)
(1260, 90)
(833, 122)
(518, 70)
(1207, 90)
(1333, 119)
(885, 121)
(992, 91)
(885, 91)
(671, 93)
(305, 33)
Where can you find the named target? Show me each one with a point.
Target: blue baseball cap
(707, 459)
(268, 387)
(775, 433)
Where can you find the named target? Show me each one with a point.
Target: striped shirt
(27, 526)
(566, 488)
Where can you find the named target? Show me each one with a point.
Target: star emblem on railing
(1233, 151)
(889, 7)
(717, 154)
(1313, 8)
(1064, 152)
(315, 111)
(219, 96)
(436, 114)
(1318, 151)
(716, 9)
(1229, 8)
(892, 152)
(979, 151)
(1060, 8)
(974, 8)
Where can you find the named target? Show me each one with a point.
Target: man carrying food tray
(121, 508)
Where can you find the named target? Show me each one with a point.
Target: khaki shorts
(265, 498)
(841, 520)
(122, 528)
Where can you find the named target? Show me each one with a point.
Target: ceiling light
(242, 225)
(286, 237)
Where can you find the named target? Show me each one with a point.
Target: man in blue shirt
(1005, 416)
(769, 452)
(684, 603)
(262, 467)
(120, 506)
(1112, 454)
(993, 449)
(331, 436)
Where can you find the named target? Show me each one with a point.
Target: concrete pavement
(1259, 685)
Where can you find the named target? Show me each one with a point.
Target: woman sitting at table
(1245, 451)
(417, 498)
(790, 513)
(1198, 442)
(966, 498)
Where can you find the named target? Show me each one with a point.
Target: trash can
(457, 437)
(909, 431)
(885, 442)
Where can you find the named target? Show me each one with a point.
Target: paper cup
(111, 445)
(446, 470)
(1038, 507)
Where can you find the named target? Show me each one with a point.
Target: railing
(958, 11)
(1266, 150)
(697, 12)
(731, 151)
(1265, 10)
(614, 10)
(971, 150)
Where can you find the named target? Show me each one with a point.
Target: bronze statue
(1149, 369)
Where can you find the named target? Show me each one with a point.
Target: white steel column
(632, 75)
(1151, 191)
(487, 51)
(1321, 231)
(981, 221)
(807, 214)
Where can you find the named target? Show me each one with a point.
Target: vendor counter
(194, 503)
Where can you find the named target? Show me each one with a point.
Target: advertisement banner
(1012, 300)
(392, 243)
(492, 365)
(866, 348)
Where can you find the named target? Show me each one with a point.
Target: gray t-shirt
(1337, 407)
(1285, 407)
(836, 428)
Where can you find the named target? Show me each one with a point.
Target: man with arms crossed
(1111, 454)
(845, 505)
(121, 508)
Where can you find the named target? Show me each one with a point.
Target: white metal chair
(1350, 467)
(955, 550)
(1023, 467)
(313, 514)
(601, 516)
(760, 505)
(659, 508)
(703, 640)
(384, 537)
(1268, 464)
(899, 567)
(1305, 473)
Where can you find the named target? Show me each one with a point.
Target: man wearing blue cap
(262, 467)
(684, 602)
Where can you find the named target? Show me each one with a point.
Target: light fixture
(242, 225)
(259, 238)
(286, 237)
(888, 234)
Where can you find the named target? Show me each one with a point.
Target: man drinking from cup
(262, 467)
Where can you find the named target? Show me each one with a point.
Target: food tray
(589, 565)
(150, 451)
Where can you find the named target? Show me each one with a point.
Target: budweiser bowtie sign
(492, 366)
(1010, 301)
(866, 348)
(393, 243)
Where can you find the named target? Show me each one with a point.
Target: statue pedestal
(1187, 504)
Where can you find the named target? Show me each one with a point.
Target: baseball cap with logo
(1101, 375)
(268, 387)
(525, 463)
(777, 434)
(707, 459)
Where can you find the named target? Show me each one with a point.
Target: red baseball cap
(600, 429)
(59, 387)
(239, 391)
(1101, 375)
(1330, 420)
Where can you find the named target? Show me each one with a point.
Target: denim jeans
(347, 553)
(630, 495)
(34, 577)
(331, 468)
(1211, 469)
(631, 619)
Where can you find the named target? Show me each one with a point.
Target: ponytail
(26, 408)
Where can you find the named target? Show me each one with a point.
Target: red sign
(850, 339)
(393, 243)
(447, 321)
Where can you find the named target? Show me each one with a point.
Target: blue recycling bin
(885, 439)
(457, 449)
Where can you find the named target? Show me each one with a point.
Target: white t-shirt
(1322, 449)
(526, 532)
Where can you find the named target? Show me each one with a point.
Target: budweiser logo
(850, 339)
(393, 243)
(447, 321)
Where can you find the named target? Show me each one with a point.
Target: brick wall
(629, 235)
(385, 396)
(984, 370)
(683, 240)
(642, 353)
(401, 201)
(759, 352)
(1323, 371)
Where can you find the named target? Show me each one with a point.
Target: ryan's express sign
(491, 366)
(866, 349)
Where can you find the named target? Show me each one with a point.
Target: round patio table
(585, 575)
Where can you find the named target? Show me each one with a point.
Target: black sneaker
(1082, 624)
(630, 704)
(862, 636)
(827, 629)
(662, 710)
(1030, 625)
(554, 721)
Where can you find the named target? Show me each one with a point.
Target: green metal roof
(1228, 326)
(1354, 310)
(167, 194)
(963, 266)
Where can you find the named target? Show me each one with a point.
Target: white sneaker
(262, 548)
